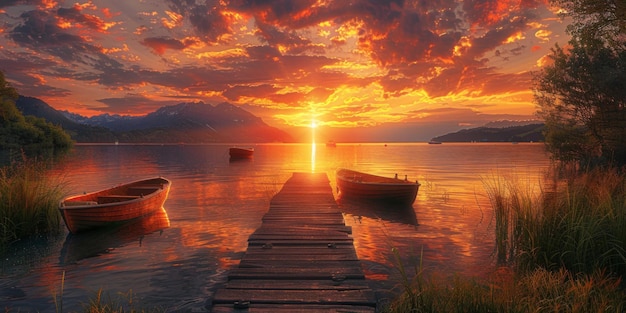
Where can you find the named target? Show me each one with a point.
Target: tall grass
(579, 224)
(537, 291)
(561, 248)
(124, 303)
(28, 201)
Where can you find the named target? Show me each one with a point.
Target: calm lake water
(178, 257)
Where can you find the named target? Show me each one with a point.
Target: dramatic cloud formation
(343, 63)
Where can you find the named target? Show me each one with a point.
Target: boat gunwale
(390, 181)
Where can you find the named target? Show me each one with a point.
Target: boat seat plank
(78, 203)
(141, 191)
(115, 198)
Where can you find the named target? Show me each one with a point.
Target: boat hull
(366, 187)
(115, 205)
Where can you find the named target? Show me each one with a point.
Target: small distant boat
(363, 186)
(331, 143)
(241, 153)
(118, 204)
(434, 142)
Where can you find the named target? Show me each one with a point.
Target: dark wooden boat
(367, 187)
(118, 204)
(241, 153)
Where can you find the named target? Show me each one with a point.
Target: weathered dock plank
(336, 297)
(301, 259)
(298, 308)
(347, 284)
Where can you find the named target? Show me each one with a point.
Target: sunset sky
(431, 66)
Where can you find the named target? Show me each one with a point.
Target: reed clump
(560, 248)
(578, 224)
(28, 201)
(103, 302)
(536, 291)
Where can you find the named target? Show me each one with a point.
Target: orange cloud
(543, 35)
(48, 4)
(74, 17)
(160, 44)
(174, 19)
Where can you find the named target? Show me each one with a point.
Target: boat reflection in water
(392, 212)
(101, 240)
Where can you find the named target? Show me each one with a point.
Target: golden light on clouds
(173, 20)
(462, 46)
(222, 54)
(515, 38)
(543, 35)
(347, 63)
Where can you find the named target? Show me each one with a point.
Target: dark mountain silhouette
(78, 132)
(524, 133)
(185, 122)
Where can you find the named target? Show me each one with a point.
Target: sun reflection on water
(313, 145)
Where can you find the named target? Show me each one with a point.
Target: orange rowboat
(118, 204)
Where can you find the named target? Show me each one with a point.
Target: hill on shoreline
(524, 133)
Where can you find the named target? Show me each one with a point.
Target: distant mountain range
(522, 133)
(182, 123)
(205, 123)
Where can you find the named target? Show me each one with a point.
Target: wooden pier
(301, 259)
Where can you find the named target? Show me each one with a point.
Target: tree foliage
(27, 133)
(603, 20)
(582, 94)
